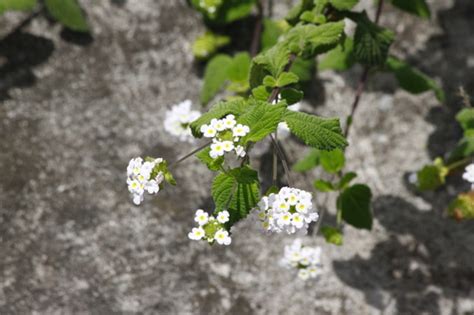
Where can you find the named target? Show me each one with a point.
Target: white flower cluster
(178, 118)
(289, 210)
(211, 228)
(225, 134)
(141, 178)
(210, 5)
(307, 260)
(469, 174)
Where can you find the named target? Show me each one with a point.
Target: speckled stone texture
(74, 110)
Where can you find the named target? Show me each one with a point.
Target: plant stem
(181, 159)
(254, 47)
(459, 163)
(282, 157)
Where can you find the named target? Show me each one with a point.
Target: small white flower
(240, 151)
(208, 131)
(152, 187)
(284, 218)
(201, 217)
(137, 199)
(138, 178)
(217, 149)
(178, 118)
(229, 121)
(222, 237)
(196, 233)
(297, 220)
(303, 274)
(228, 146)
(218, 124)
(469, 174)
(306, 260)
(223, 216)
(240, 130)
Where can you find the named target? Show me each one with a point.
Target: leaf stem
(459, 163)
(181, 159)
(282, 157)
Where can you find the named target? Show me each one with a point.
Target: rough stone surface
(74, 110)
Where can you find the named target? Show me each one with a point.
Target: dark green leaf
(303, 68)
(68, 13)
(332, 161)
(355, 206)
(215, 76)
(465, 118)
(463, 149)
(432, 176)
(332, 235)
(323, 134)
(413, 80)
(346, 179)
(340, 58)
(417, 7)
(343, 4)
(291, 96)
(262, 119)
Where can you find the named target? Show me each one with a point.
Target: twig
(257, 30)
(283, 159)
(181, 159)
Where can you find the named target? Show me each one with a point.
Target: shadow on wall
(423, 250)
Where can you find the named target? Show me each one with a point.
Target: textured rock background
(73, 111)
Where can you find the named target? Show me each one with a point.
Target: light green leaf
(465, 118)
(412, 80)
(432, 176)
(236, 191)
(215, 76)
(340, 58)
(207, 44)
(261, 93)
(303, 68)
(17, 5)
(272, 30)
(308, 162)
(332, 235)
(218, 111)
(355, 206)
(68, 13)
(323, 134)
(212, 164)
(271, 62)
(262, 119)
(323, 186)
(240, 67)
(343, 4)
(332, 161)
(371, 42)
(346, 179)
(286, 78)
(416, 7)
(294, 14)
(269, 81)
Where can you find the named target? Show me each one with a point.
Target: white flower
(218, 124)
(413, 178)
(240, 130)
(201, 217)
(223, 216)
(229, 121)
(222, 237)
(137, 199)
(469, 174)
(240, 151)
(306, 260)
(228, 146)
(208, 131)
(139, 178)
(289, 210)
(178, 118)
(196, 233)
(303, 274)
(217, 149)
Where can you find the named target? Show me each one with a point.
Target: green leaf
(319, 133)
(332, 161)
(240, 67)
(225, 11)
(332, 235)
(17, 5)
(343, 4)
(465, 118)
(303, 68)
(355, 206)
(218, 111)
(310, 161)
(272, 190)
(68, 13)
(340, 58)
(261, 93)
(464, 148)
(262, 119)
(286, 78)
(271, 62)
(294, 14)
(215, 76)
(432, 176)
(413, 80)
(212, 164)
(323, 186)
(272, 30)
(346, 179)
(207, 44)
(371, 42)
(269, 81)
(462, 208)
(236, 191)
(416, 7)
(291, 96)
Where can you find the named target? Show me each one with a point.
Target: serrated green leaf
(303, 68)
(240, 67)
(294, 14)
(332, 235)
(310, 161)
(346, 179)
(416, 7)
(412, 80)
(237, 191)
(343, 4)
(272, 30)
(340, 58)
(269, 81)
(432, 176)
(261, 93)
(286, 78)
(371, 42)
(332, 161)
(271, 62)
(215, 76)
(212, 164)
(323, 185)
(68, 13)
(465, 118)
(218, 111)
(463, 149)
(207, 44)
(317, 132)
(17, 5)
(355, 206)
(262, 119)
(462, 208)
(291, 96)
